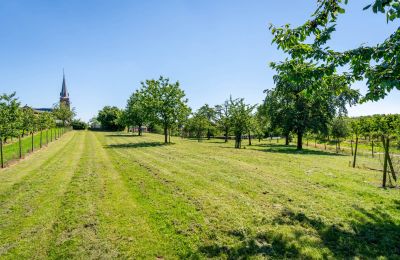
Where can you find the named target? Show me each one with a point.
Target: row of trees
(17, 121)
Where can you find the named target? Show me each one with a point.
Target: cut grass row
(11, 151)
(107, 195)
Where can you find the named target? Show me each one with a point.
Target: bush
(78, 125)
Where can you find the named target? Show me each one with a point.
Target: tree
(78, 124)
(209, 113)
(240, 114)
(339, 129)
(377, 64)
(63, 113)
(310, 97)
(165, 103)
(136, 112)
(109, 118)
(9, 120)
(222, 114)
(197, 125)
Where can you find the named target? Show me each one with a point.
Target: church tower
(64, 95)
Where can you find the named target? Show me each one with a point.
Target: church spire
(64, 92)
(64, 95)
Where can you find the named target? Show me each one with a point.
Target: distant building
(64, 95)
(64, 98)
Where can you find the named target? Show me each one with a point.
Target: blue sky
(214, 48)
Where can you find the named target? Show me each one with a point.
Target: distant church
(64, 95)
(64, 98)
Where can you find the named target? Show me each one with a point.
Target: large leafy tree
(109, 118)
(377, 64)
(166, 103)
(307, 97)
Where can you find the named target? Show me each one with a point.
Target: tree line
(17, 122)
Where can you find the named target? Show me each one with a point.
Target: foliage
(240, 116)
(136, 112)
(109, 118)
(78, 124)
(165, 103)
(377, 64)
(222, 118)
(9, 116)
(63, 113)
(306, 98)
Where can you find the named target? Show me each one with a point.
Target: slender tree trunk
(355, 152)
(315, 143)
(287, 139)
(32, 140)
(47, 137)
(41, 135)
(351, 144)
(140, 130)
(325, 143)
(385, 162)
(249, 138)
(51, 134)
(165, 134)
(372, 150)
(208, 134)
(169, 135)
(1, 153)
(20, 146)
(226, 135)
(307, 141)
(299, 140)
(389, 160)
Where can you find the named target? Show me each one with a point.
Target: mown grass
(11, 149)
(107, 195)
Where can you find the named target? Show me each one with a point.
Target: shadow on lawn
(136, 145)
(123, 135)
(291, 149)
(371, 234)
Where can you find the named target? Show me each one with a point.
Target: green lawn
(11, 149)
(108, 195)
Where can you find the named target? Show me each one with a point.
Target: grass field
(109, 195)
(11, 149)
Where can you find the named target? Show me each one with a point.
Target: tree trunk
(385, 163)
(299, 140)
(169, 135)
(140, 130)
(32, 140)
(287, 139)
(226, 135)
(355, 153)
(47, 137)
(315, 143)
(1, 153)
(249, 138)
(351, 144)
(165, 134)
(51, 134)
(208, 134)
(41, 135)
(372, 146)
(389, 160)
(20, 146)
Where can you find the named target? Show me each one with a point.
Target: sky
(214, 48)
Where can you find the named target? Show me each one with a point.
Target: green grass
(11, 149)
(107, 195)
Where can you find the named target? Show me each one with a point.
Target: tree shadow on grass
(137, 145)
(122, 135)
(291, 149)
(371, 234)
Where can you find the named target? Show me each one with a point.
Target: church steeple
(64, 95)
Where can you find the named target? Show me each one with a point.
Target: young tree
(339, 129)
(136, 112)
(209, 113)
(63, 113)
(165, 103)
(239, 119)
(9, 120)
(223, 118)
